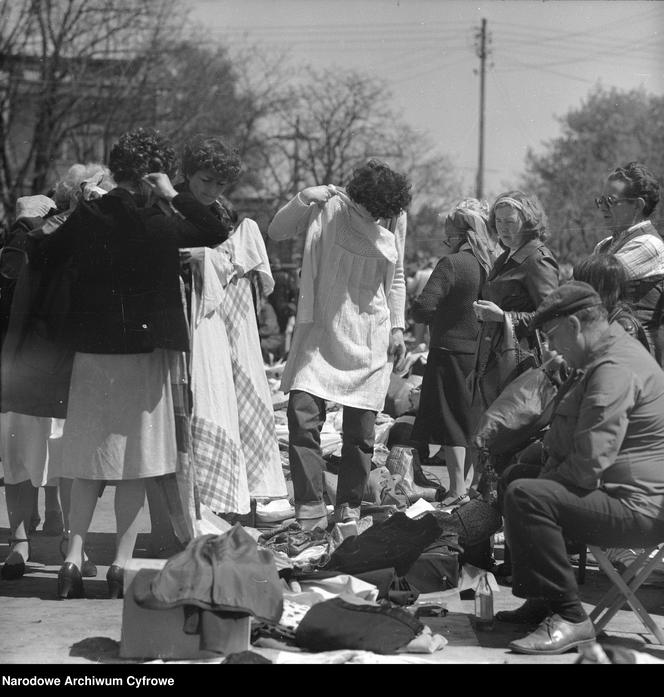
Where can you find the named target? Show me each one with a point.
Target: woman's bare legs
(84, 493)
(129, 501)
(455, 460)
(20, 500)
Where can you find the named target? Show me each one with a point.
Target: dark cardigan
(446, 303)
(124, 293)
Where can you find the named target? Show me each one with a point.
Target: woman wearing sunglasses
(630, 197)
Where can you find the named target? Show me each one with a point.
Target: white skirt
(120, 419)
(31, 448)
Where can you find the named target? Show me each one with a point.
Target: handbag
(499, 359)
(518, 414)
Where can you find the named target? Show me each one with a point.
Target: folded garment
(338, 624)
(216, 572)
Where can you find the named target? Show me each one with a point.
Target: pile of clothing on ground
(360, 587)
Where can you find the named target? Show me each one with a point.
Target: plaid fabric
(640, 249)
(218, 463)
(257, 431)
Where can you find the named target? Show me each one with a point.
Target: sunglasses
(610, 201)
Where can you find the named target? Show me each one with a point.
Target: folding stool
(625, 587)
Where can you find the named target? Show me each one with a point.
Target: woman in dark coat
(446, 305)
(126, 323)
(521, 278)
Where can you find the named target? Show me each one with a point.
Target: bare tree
(70, 67)
(329, 122)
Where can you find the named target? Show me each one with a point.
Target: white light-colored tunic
(352, 294)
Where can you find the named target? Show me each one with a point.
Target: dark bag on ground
(437, 568)
(335, 624)
(474, 523)
(396, 542)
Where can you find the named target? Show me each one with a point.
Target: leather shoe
(533, 611)
(555, 636)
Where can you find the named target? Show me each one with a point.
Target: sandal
(459, 500)
(12, 572)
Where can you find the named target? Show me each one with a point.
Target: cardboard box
(150, 634)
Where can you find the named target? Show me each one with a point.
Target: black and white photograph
(331, 332)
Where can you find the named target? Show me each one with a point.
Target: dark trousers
(541, 514)
(306, 416)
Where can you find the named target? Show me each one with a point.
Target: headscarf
(471, 216)
(530, 208)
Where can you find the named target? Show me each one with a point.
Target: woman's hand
(486, 311)
(36, 206)
(161, 185)
(318, 194)
(396, 350)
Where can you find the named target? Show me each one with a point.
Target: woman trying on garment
(232, 403)
(126, 323)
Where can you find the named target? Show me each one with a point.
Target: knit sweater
(446, 303)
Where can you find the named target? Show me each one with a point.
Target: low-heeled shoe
(555, 636)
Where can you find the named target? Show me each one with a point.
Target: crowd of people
(137, 316)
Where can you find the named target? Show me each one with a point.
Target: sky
(544, 58)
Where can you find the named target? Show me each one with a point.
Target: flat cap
(565, 300)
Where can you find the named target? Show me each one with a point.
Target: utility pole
(296, 156)
(482, 52)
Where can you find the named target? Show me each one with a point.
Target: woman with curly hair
(126, 323)
(233, 433)
(349, 326)
(520, 279)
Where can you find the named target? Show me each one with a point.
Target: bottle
(484, 605)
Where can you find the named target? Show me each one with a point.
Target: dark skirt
(445, 415)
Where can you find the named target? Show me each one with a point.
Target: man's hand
(161, 185)
(33, 206)
(397, 350)
(318, 194)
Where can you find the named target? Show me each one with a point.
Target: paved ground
(37, 628)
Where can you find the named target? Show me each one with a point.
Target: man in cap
(602, 481)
